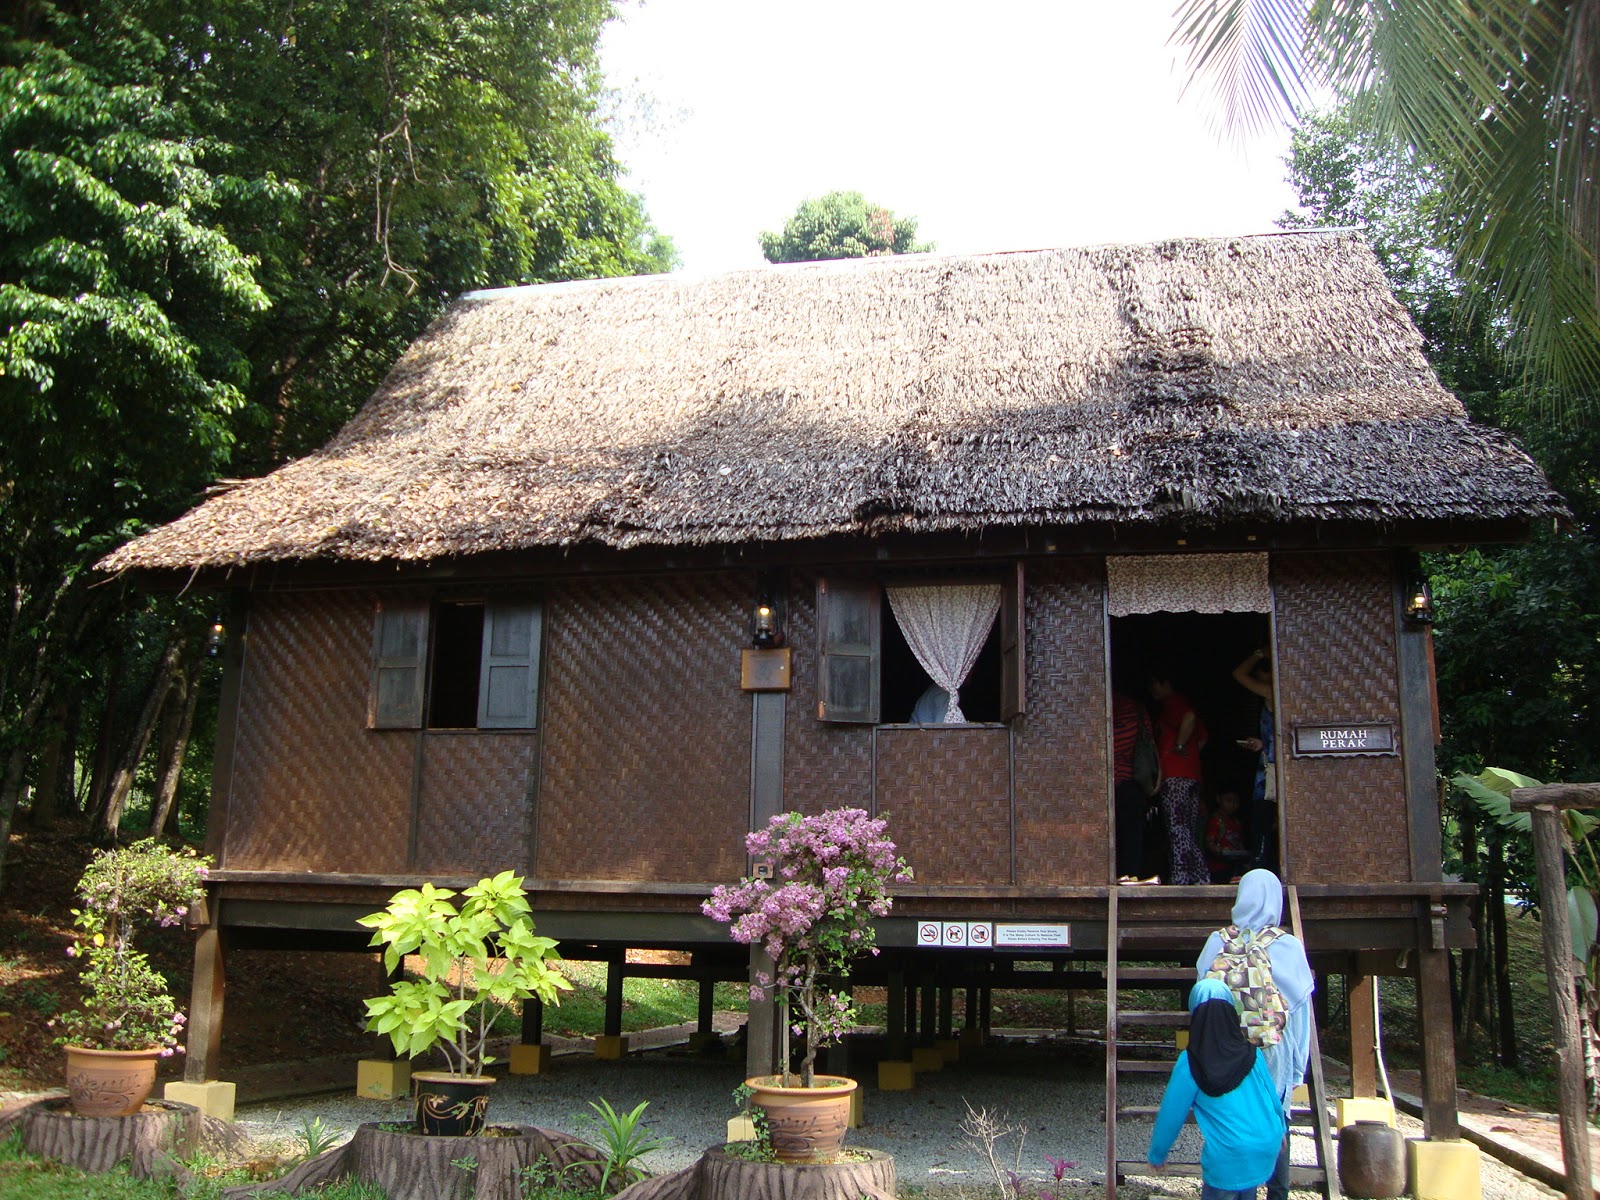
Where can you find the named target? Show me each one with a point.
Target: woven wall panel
(1062, 793)
(646, 756)
(824, 765)
(945, 795)
(313, 788)
(1345, 818)
(474, 810)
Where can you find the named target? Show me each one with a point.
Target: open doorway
(1194, 656)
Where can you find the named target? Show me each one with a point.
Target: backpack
(1245, 966)
(1146, 759)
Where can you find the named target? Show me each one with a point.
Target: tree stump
(151, 1141)
(412, 1166)
(725, 1177)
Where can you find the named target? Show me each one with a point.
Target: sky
(1001, 125)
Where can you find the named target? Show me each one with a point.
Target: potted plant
(829, 878)
(126, 1021)
(478, 958)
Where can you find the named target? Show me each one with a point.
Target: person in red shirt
(1129, 723)
(1179, 736)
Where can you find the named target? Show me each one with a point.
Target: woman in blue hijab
(1258, 905)
(1225, 1080)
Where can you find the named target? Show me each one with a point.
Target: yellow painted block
(698, 1042)
(1443, 1170)
(927, 1058)
(1181, 1038)
(1300, 1095)
(971, 1038)
(527, 1059)
(1349, 1110)
(949, 1049)
(896, 1077)
(611, 1046)
(383, 1079)
(741, 1129)
(213, 1097)
(858, 1110)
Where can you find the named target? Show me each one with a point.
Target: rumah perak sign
(1343, 738)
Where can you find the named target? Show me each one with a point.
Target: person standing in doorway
(1130, 728)
(1180, 734)
(1254, 674)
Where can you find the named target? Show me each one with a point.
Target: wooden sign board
(1343, 739)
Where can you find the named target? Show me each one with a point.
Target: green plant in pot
(830, 875)
(479, 957)
(126, 1022)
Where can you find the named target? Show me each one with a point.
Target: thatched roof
(1268, 378)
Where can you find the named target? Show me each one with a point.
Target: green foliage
(842, 225)
(759, 1150)
(1498, 97)
(125, 1004)
(318, 1136)
(478, 960)
(624, 1140)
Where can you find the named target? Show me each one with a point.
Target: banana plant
(1490, 792)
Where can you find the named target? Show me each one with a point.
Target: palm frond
(1250, 54)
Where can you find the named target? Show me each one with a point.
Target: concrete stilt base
(927, 1058)
(213, 1097)
(971, 1039)
(1443, 1170)
(611, 1046)
(858, 1110)
(741, 1129)
(1349, 1110)
(383, 1079)
(700, 1042)
(896, 1077)
(528, 1059)
(949, 1049)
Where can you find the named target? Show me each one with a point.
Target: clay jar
(1372, 1160)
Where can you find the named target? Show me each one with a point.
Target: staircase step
(1133, 974)
(1189, 935)
(1144, 1066)
(1170, 1018)
(1138, 1166)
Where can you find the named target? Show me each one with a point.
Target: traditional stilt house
(506, 617)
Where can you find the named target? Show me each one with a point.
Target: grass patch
(646, 1003)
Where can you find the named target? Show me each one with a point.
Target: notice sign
(1032, 937)
(1343, 738)
(955, 934)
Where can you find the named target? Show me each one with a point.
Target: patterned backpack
(1245, 966)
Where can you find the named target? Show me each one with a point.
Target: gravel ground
(1056, 1095)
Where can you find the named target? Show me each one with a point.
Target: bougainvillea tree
(830, 877)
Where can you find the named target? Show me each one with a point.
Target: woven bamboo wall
(1063, 805)
(824, 765)
(1345, 818)
(313, 789)
(646, 755)
(946, 794)
(474, 806)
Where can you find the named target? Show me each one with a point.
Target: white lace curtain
(946, 626)
(1200, 583)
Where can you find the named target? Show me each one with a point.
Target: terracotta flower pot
(110, 1083)
(806, 1124)
(451, 1105)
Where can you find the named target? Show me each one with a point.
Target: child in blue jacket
(1225, 1080)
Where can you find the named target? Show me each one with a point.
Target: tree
(1501, 98)
(219, 225)
(842, 225)
(119, 383)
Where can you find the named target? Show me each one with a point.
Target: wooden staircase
(1137, 946)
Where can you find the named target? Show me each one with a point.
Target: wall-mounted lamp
(216, 636)
(1419, 600)
(766, 623)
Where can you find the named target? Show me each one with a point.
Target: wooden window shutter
(1013, 656)
(508, 684)
(848, 616)
(399, 657)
